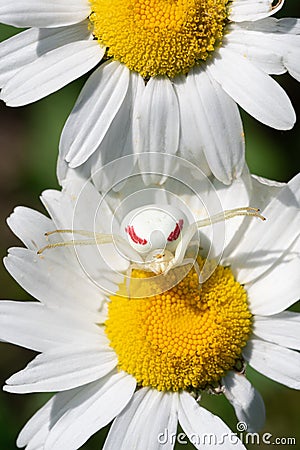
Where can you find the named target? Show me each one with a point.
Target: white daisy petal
(117, 142)
(62, 369)
(265, 242)
(263, 190)
(55, 202)
(151, 166)
(289, 25)
(121, 143)
(197, 422)
(94, 111)
(237, 193)
(81, 207)
(243, 10)
(94, 406)
(247, 401)
(36, 429)
(34, 13)
(34, 326)
(189, 146)
(278, 288)
(25, 223)
(273, 45)
(282, 329)
(260, 192)
(257, 47)
(156, 119)
(24, 48)
(63, 169)
(292, 63)
(100, 264)
(77, 192)
(51, 71)
(275, 362)
(130, 430)
(256, 92)
(219, 125)
(78, 196)
(158, 122)
(224, 235)
(34, 273)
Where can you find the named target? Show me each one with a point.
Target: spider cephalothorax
(154, 232)
(151, 228)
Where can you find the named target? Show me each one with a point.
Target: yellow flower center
(159, 37)
(186, 338)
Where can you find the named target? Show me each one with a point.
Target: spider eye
(151, 227)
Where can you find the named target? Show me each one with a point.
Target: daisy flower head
(168, 75)
(118, 351)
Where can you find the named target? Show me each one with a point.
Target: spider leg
(90, 234)
(129, 273)
(66, 244)
(229, 214)
(128, 278)
(98, 239)
(195, 265)
(182, 246)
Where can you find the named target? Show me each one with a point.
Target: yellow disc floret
(159, 37)
(186, 338)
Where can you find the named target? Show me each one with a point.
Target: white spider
(161, 237)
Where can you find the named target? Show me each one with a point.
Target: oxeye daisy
(122, 342)
(168, 75)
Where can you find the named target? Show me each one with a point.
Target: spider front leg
(180, 257)
(194, 264)
(128, 276)
(131, 267)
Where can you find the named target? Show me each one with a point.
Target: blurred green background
(28, 144)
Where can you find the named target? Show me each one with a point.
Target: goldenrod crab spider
(159, 236)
